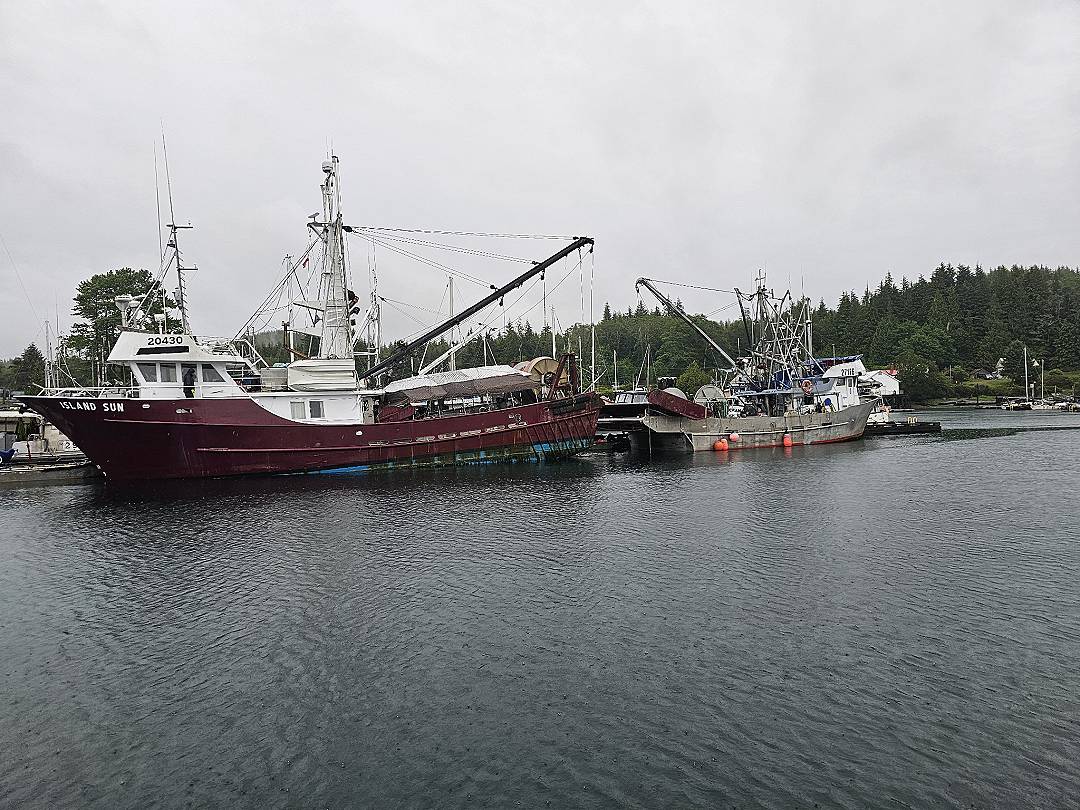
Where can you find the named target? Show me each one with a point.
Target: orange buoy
(787, 440)
(720, 444)
(734, 437)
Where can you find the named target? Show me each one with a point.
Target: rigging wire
(165, 257)
(416, 306)
(484, 326)
(277, 290)
(454, 248)
(18, 275)
(581, 288)
(553, 289)
(385, 237)
(691, 286)
(431, 263)
(720, 309)
(468, 233)
(423, 324)
(407, 304)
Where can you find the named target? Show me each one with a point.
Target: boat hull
(655, 430)
(132, 439)
(46, 473)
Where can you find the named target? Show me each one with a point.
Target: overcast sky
(828, 142)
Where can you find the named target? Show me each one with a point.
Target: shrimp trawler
(204, 407)
(778, 396)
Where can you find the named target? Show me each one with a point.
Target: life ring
(807, 387)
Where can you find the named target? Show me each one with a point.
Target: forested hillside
(961, 317)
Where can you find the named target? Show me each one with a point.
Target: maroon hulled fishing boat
(205, 407)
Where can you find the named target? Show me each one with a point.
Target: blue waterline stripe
(540, 451)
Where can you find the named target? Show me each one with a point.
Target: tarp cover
(322, 374)
(466, 382)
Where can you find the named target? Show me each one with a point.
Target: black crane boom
(464, 315)
(663, 299)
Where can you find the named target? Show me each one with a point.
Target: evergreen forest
(946, 334)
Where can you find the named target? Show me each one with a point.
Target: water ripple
(878, 624)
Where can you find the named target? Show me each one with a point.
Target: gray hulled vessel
(778, 396)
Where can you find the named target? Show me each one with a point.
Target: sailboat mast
(453, 357)
(48, 358)
(1027, 385)
(553, 350)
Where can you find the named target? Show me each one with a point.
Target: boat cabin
(318, 390)
(162, 366)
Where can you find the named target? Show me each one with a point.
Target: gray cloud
(829, 142)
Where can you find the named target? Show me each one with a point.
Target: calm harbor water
(889, 623)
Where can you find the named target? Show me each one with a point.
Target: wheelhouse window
(168, 372)
(210, 374)
(148, 371)
(296, 410)
(316, 408)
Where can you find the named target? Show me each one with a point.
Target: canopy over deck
(466, 382)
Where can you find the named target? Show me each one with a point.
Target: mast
(663, 299)
(181, 292)
(553, 351)
(375, 321)
(453, 357)
(745, 320)
(336, 338)
(49, 358)
(468, 312)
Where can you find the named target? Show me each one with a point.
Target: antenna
(157, 202)
(174, 244)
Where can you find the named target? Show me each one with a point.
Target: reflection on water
(882, 623)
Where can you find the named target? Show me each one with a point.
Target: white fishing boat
(33, 450)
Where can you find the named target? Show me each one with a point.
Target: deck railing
(133, 391)
(234, 345)
(89, 392)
